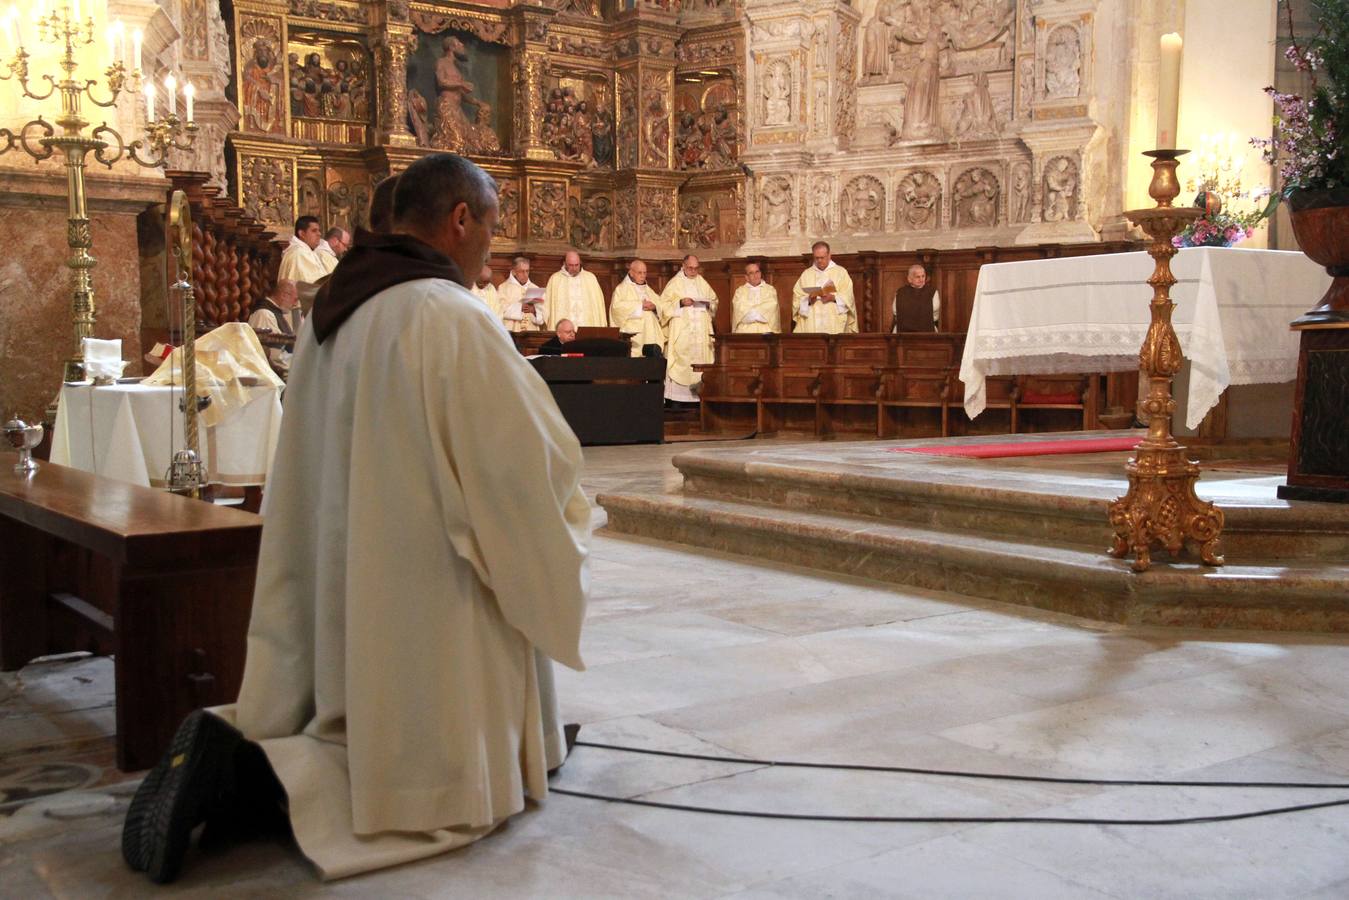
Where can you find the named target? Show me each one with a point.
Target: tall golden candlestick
(1161, 508)
(69, 31)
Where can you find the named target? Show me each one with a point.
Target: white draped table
(123, 431)
(1090, 314)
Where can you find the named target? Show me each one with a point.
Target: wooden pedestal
(1318, 459)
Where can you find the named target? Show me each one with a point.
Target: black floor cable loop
(956, 820)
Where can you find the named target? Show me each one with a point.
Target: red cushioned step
(1026, 448)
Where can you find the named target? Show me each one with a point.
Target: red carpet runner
(1026, 448)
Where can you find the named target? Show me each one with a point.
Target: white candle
(189, 92)
(136, 49)
(1168, 91)
(171, 94)
(74, 12)
(149, 101)
(10, 29)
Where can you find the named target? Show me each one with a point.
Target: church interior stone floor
(697, 651)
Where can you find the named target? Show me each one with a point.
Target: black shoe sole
(178, 795)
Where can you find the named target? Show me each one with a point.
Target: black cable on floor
(950, 820)
(947, 773)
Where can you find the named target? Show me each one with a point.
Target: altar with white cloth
(1090, 313)
(130, 431)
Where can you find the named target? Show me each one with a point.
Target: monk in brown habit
(917, 304)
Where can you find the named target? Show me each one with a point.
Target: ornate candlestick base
(1161, 508)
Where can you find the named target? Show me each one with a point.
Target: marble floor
(712, 654)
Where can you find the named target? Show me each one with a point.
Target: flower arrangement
(1219, 229)
(1217, 174)
(1310, 145)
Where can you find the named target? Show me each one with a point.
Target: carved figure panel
(195, 27)
(263, 111)
(628, 120)
(845, 111)
(578, 121)
(863, 204)
(328, 11)
(775, 207)
(656, 215)
(655, 119)
(331, 88)
(489, 30)
(1060, 190)
(1063, 64)
(706, 135)
(454, 79)
(310, 193)
(348, 199)
(548, 210)
(918, 202)
(592, 214)
(268, 188)
(625, 218)
(974, 198)
(698, 227)
(508, 206)
(820, 218)
(777, 93)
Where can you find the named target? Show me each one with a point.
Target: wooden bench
(162, 582)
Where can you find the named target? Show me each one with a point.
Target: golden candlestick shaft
(1161, 508)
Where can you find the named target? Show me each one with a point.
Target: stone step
(971, 497)
(1267, 595)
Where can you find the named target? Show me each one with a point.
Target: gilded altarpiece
(611, 129)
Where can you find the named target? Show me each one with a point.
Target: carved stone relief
(310, 192)
(975, 198)
(260, 60)
(268, 184)
(548, 210)
(577, 122)
(656, 120)
(625, 218)
(775, 211)
(591, 218)
(918, 202)
(777, 93)
(195, 27)
(863, 204)
(656, 215)
(706, 135)
(698, 227)
(327, 11)
(1060, 190)
(348, 200)
(508, 206)
(820, 218)
(1063, 64)
(845, 112)
(1019, 194)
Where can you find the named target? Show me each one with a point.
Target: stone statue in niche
(777, 92)
(339, 89)
(656, 134)
(1026, 85)
(1060, 189)
(975, 198)
(863, 204)
(262, 84)
(919, 199)
(977, 115)
(922, 101)
(822, 206)
(602, 141)
(776, 195)
(1063, 63)
(453, 91)
(877, 40)
(821, 106)
(1019, 194)
(311, 196)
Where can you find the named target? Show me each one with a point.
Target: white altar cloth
(122, 431)
(1090, 314)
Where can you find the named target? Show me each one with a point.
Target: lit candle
(10, 29)
(74, 12)
(136, 49)
(190, 93)
(171, 93)
(1168, 91)
(115, 31)
(149, 101)
(16, 26)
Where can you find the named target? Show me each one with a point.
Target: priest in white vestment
(575, 294)
(485, 291)
(332, 247)
(520, 300)
(398, 676)
(754, 306)
(636, 310)
(823, 297)
(300, 262)
(690, 303)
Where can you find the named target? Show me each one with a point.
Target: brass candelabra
(1161, 508)
(40, 139)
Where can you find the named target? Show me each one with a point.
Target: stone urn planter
(1321, 224)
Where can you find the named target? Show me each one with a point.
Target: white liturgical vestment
(689, 334)
(754, 309)
(301, 264)
(640, 326)
(577, 298)
(510, 298)
(823, 317)
(424, 548)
